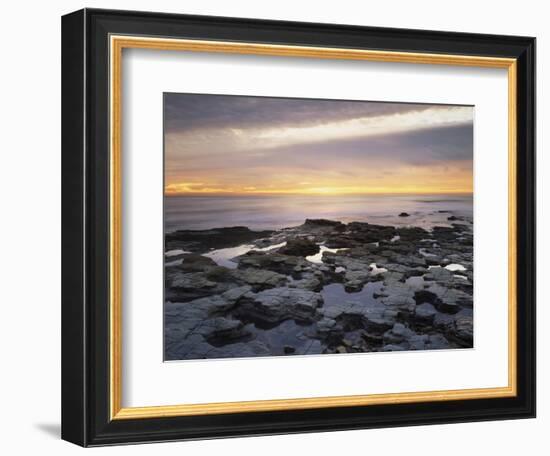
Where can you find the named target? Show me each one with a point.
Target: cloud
(185, 112)
(255, 144)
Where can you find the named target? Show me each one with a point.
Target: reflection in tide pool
(289, 337)
(376, 270)
(417, 282)
(318, 257)
(225, 257)
(175, 252)
(455, 267)
(334, 295)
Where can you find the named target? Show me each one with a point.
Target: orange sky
(252, 145)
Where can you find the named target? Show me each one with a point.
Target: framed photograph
(278, 227)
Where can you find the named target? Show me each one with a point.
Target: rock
(357, 271)
(458, 327)
(322, 223)
(300, 247)
(253, 310)
(217, 280)
(399, 302)
(392, 278)
(464, 328)
(201, 241)
(259, 279)
(191, 281)
(351, 315)
(406, 338)
(425, 296)
(393, 347)
(355, 280)
(340, 242)
(308, 282)
(425, 313)
(404, 214)
(343, 259)
(219, 274)
(418, 342)
(192, 262)
(448, 307)
(399, 333)
(347, 342)
(278, 304)
(438, 342)
(188, 326)
(314, 348)
(234, 294)
(377, 322)
(399, 296)
(412, 233)
(438, 274)
(356, 235)
(357, 274)
(444, 299)
(368, 233)
(452, 218)
(354, 286)
(444, 322)
(417, 271)
(450, 299)
(189, 286)
(221, 330)
(394, 267)
(445, 233)
(372, 339)
(327, 327)
(277, 262)
(428, 342)
(462, 283)
(409, 261)
(436, 260)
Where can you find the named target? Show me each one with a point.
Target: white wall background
(30, 227)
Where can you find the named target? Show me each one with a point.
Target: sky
(233, 145)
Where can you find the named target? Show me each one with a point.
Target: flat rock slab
(279, 304)
(384, 289)
(201, 241)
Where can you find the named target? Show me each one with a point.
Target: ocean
(280, 211)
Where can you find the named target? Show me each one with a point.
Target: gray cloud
(427, 147)
(216, 143)
(184, 112)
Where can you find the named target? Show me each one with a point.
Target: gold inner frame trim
(117, 44)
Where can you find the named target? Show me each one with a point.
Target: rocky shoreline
(321, 287)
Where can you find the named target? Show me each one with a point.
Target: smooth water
(275, 212)
(225, 257)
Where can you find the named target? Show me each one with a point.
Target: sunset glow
(251, 145)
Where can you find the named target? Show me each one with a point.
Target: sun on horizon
(235, 145)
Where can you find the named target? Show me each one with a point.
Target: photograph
(297, 226)
(272, 226)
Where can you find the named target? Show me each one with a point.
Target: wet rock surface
(201, 241)
(300, 247)
(321, 287)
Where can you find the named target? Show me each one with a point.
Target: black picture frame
(85, 224)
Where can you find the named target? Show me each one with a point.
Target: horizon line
(237, 194)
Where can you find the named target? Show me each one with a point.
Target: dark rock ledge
(378, 288)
